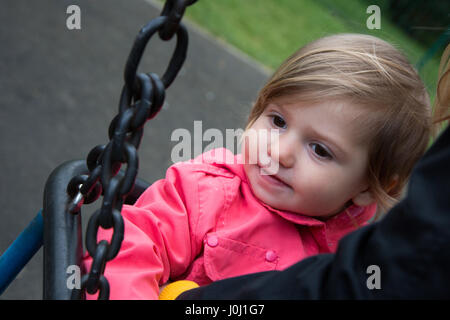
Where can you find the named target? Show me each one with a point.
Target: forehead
(340, 110)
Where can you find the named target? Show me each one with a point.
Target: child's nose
(282, 150)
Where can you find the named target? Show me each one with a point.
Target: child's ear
(363, 198)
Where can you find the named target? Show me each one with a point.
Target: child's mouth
(271, 178)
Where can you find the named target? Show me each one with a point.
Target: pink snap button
(212, 241)
(271, 256)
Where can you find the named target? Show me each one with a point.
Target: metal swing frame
(63, 245)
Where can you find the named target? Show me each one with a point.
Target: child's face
(320, 165)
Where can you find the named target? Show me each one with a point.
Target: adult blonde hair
(369, 72)
(442, 101)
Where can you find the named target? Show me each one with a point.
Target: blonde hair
(442, 101)
(372, 73)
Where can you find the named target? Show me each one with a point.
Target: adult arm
(410, 246)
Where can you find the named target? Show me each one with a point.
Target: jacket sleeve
(157, 239)
(404, 256)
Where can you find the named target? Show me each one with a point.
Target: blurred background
(60, 88)
(270, 30)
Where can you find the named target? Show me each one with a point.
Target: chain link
(141, 99)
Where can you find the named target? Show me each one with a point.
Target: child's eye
(278, 121)
(321, 151)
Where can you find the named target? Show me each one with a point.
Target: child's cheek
(322, 198)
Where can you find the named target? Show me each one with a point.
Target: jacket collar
(351, 218)
(330, 231)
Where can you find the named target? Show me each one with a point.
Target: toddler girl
(348, 117)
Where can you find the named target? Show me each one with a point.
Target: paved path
(59, 89)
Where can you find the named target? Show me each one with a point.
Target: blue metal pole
(21, 251)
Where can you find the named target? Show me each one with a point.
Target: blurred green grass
(271, 30)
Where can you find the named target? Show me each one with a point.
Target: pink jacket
(203, 223)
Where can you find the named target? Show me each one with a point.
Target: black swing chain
(141, 99)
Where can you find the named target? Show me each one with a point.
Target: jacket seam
(224, 209)
(195, 226)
